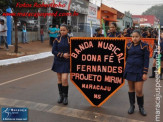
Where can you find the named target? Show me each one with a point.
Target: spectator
(24, 32)
(57, 31)
(42, 34)
(51, 34)
(70, 34)
(3, 33)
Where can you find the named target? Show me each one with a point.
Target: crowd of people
(113, 32)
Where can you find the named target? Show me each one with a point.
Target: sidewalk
(31, 48)
(26, 52)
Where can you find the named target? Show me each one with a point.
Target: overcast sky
(136, 7)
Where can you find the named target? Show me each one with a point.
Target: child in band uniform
(98, 33)
(113, 31)
(137, 63)
(61, 65)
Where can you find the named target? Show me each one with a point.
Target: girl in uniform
(137, 63)
(61, 65)
(125, 33)
(113, 31)
(149, 35)
(98, 33)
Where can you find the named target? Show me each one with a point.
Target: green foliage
(157, 11)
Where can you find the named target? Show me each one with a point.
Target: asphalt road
(34, 85)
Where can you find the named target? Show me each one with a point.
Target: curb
(25, 58)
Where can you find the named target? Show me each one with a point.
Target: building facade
(108, 14)
(124, 20)
(145, 21)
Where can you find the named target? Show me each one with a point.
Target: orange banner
(149, 41)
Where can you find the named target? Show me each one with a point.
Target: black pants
(4, 40)
(51, 40)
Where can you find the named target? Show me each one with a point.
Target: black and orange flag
(97, 66)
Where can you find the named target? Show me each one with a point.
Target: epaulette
(144, 45)
(118, 34)
(108, 34)
(129, 45)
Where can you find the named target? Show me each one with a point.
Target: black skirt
(61, 66)
(135, 77)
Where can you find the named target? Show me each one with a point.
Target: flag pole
(103, 25)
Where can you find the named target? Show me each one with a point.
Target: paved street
(34, 85)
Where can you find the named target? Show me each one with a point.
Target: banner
(96, 2)
(96, 67)
(92, 14)
(149, 41)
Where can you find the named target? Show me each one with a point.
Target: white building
(124, 20)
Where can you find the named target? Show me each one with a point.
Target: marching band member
(137, 63)
(61, 64)
(113, 31)
(98, 33)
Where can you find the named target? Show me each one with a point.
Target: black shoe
(60, 99)
(153, 72)
(132, 102)
(65, 95)
(65, 100)
(140, 101)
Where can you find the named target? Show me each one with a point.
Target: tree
(4, 4)
(157, 11)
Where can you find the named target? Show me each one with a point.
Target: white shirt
(3, 27)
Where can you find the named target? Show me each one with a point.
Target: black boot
(132, 102)
(60, 99)
(153, 72)
(140, 101)
(65, 95)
